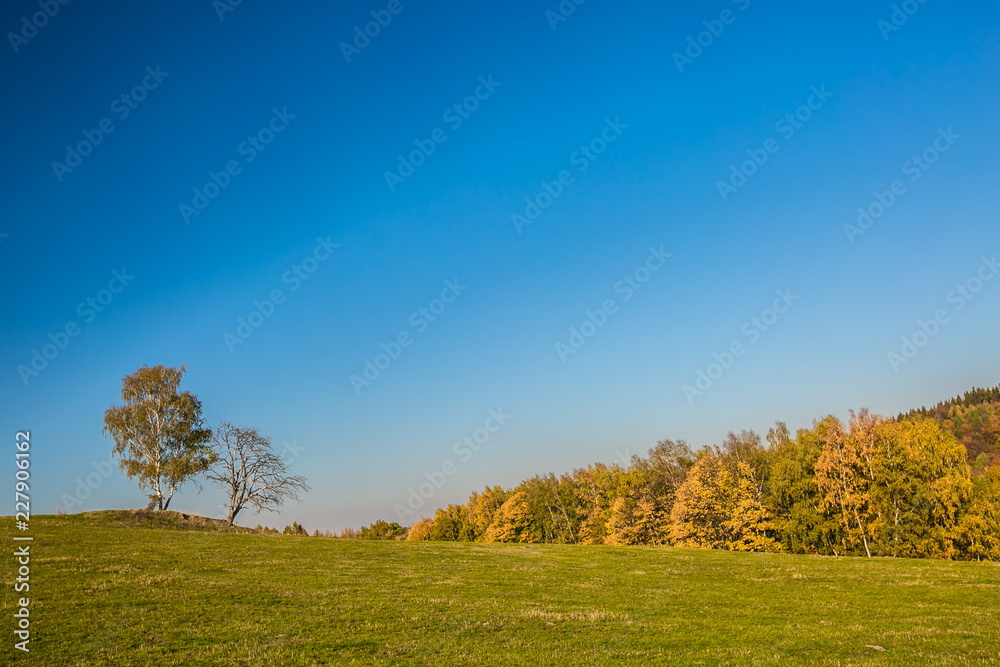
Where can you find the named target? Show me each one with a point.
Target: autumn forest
(925, 484)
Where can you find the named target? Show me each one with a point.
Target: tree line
(925, 484)
(161, 442)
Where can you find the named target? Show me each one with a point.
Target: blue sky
(597, 100)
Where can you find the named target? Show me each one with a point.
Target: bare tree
(250, 471)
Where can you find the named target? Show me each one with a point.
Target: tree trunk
(169, 498)
(864, 538)
(234, 506)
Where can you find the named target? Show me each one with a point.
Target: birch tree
(802, 525)
(158, 432)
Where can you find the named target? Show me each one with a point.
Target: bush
(381, 530)
(294, 529)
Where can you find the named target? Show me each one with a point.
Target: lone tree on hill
(158, 432)
(250, 472)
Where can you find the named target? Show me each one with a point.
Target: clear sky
(674, 170)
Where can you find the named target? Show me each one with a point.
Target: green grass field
(108, 591)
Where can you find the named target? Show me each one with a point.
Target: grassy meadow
(128, 588)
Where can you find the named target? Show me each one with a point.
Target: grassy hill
(155, 519)
(127, 588)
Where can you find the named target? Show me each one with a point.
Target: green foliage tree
(922, 482)
(794, 497)
(897, 487)
(566, 509)
(451, 524)
(294, 529)
(553, 508)
(975, 396)
(158, 433)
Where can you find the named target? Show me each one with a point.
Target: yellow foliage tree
(512, 522)
(720, 506)
(641, 521)
(420, 531)
(844, 475)
(698, 515)
(897, 487)
(482, 507)
(750, 524)
(979, 528)
(922, 483)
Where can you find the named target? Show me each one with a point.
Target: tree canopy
(249, 471)
(158, 433)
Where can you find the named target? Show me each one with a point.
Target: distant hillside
(974, 418)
